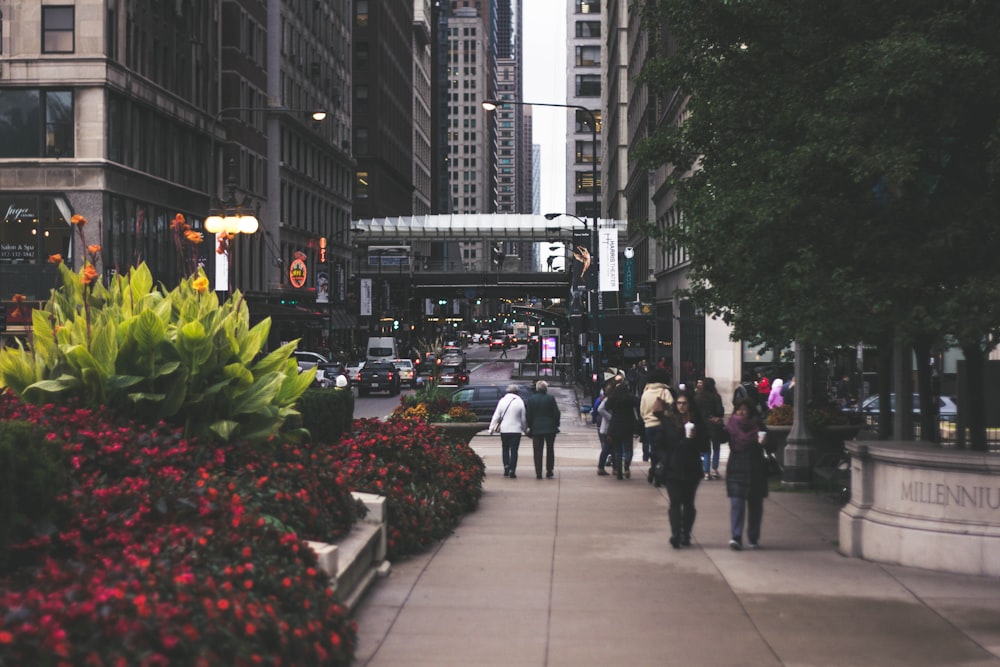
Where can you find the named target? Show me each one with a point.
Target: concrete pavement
(577, 570)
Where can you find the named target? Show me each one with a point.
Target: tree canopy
(837, 163)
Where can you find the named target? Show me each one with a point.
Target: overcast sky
(544, 25)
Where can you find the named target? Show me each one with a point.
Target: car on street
(424, 375)
(378, 376)
(499, 340)
(947, 408)
(306, 359)
(354, 371)
(453, 375)
(482, 399)
(406, 371)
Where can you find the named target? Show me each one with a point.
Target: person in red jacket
(763, 391)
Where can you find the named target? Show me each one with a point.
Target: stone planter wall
(917, 505)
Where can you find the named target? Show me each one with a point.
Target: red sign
(297, 273)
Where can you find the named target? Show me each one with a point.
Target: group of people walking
(682, 434)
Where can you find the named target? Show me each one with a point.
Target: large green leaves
(179, 355)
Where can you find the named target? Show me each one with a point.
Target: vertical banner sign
(607, 242)
(339, 284)
(221, 268)
(366, 297)
(628, 275)
(584, 268)
(428, 307)
(322, 287)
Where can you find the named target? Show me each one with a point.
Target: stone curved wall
(918, 505)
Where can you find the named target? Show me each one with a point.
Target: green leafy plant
(178, 355)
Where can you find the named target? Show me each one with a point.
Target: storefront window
(32, 229)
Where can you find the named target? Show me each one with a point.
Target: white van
(382, 348)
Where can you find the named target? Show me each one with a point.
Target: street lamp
(229, 215)
(492, 105)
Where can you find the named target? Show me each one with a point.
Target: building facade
(127, 113)
(583, 66)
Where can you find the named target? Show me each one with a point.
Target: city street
(485, 367)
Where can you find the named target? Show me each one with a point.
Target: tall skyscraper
(583, 89)
(383, 108)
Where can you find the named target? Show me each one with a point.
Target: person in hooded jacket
(775, 399)
(681, 440)
(746, 475)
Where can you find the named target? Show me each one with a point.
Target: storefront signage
(297, 273)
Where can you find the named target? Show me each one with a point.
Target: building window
(588, 55)
(585, 182)
(588, 85)
(588, 29)
(588, 7)
(36, 123)
(361, 13)
(585, 152)
(361, 185)
(582, 123)
(57, 29)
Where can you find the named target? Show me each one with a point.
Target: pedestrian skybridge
(500, 254)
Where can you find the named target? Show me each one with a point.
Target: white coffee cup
(688, 429)
(761, 436)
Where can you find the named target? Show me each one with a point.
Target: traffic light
(395, 325)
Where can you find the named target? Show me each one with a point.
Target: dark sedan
(453, 375)
(483, 399)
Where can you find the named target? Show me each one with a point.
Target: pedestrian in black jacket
(746, 474)
(624, 408)
(681, 444)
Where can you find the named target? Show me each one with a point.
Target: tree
(837, 165)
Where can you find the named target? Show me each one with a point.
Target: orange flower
(55, 259)
(78, 220)
(19, 298)
(89, 274)
(93, 249)
(200, 284)
(178, 222)
(193, 236)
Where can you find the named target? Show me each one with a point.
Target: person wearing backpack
(746, 391)
(657, 386)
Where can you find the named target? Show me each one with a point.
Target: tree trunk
(974, 402)
(884, 388)
(930, 426)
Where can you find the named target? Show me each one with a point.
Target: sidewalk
(577, 570)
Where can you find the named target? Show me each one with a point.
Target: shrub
(177, 552)
(32, 476)
(428, 482)
(327, 413)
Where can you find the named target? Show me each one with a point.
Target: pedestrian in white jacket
(509, 420)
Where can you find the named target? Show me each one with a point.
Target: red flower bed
(428, 481)
(177, 552)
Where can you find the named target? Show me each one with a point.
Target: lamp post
(492, 105)
(230, 215)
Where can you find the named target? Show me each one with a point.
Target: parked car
(406, 371)
(483, 399)
(453, 375)
(947, 408)
(378, 376)
(327, 374)
(354, 372)
(306, 359)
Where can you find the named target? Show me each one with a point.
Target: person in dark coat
(542, 417)
(709, 404)
(746, 474)
(680, 443)
(623, 406)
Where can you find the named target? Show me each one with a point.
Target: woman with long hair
(710, 406)
(680, 443)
